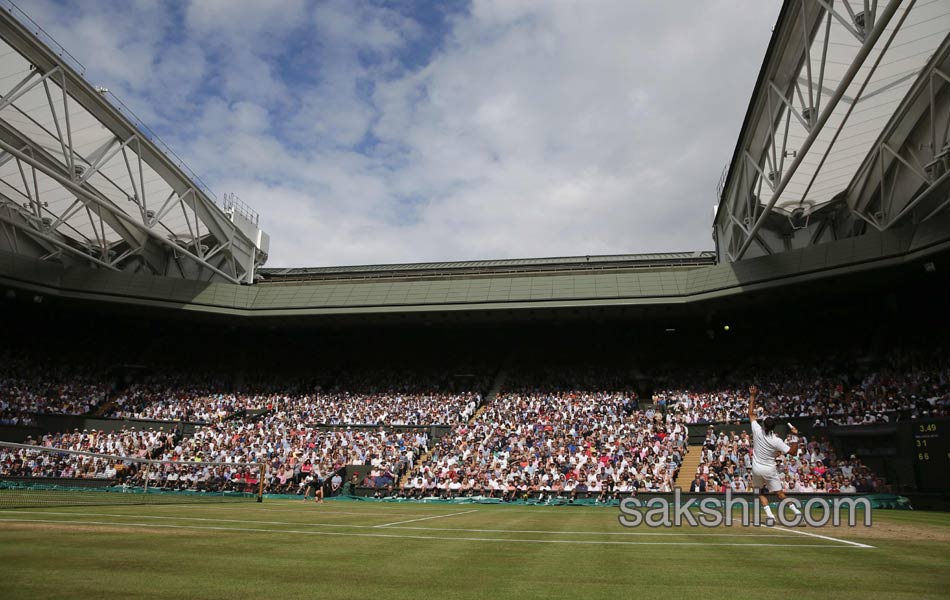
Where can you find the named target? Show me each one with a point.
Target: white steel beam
(869, 41)
(118, 216)
(152, 177)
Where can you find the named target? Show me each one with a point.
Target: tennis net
(35, 476)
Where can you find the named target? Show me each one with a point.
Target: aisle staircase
(689, 466)
(492, 393)
(490, 396)
(103, 408)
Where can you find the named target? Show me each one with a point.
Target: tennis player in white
(766, 447)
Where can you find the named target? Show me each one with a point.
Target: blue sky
(393, 131)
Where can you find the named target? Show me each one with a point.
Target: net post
(260, 483)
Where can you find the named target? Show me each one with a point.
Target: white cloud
(248, 20)
(533, 129)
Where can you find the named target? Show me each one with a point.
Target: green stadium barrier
(877, 501)
(23, 494)
(889, 501)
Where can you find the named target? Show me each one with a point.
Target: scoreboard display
(932, 454)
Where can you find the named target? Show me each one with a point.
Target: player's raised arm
(792, 441)
(753, 392)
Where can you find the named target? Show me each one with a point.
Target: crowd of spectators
(360, 397)
(135, 443)
(293, 452)
(178, 403)
(303, 431)
(325, 408)
(28, 387)
(384, 408)
(915, 387)
(545, 444)
(726, 463)
(549, 433)
(10, 414)
(901, 385)
(26, 463)
(365, 400)
(295, 455)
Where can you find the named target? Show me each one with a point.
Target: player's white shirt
(765, 447)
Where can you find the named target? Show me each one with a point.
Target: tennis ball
(726, 328)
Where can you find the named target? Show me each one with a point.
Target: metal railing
(233, 202)
(46, 38)
(159, 143)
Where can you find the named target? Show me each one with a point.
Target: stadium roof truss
(848, 130)
(841, 168)
(83, 182)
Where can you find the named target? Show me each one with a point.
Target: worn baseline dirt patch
(886, 531)
(89, 528)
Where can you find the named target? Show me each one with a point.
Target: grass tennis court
(362, 549)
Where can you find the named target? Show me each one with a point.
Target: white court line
(325, 508)
(420, 537)
(253, 522)
(824, 537)
(330, 503)
(427, 518)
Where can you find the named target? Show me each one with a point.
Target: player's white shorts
(768, 478)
